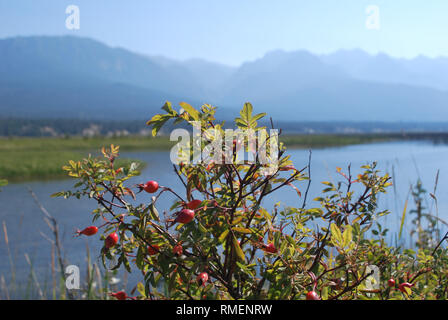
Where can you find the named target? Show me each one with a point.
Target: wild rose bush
(218, 241)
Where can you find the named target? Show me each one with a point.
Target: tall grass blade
(11, 261)
(4, 287)
(403, 217)
(33, 276)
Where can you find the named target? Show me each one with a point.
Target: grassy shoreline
(27, 159)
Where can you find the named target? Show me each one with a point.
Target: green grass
(77, 144)
(24, 159)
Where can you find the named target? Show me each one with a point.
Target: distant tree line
(67, 127)
(78, 127)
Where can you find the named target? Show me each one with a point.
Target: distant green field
(129, 143)
(23, 159)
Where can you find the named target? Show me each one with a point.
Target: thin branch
(309, 180)
(55, 229)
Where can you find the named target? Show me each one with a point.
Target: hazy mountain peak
(279, 59)
(68, 76)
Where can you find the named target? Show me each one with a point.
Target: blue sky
(234, 31)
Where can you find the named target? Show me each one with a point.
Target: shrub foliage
(235, 248)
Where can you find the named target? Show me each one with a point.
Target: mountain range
(73, 77)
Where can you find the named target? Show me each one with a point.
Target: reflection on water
(405, 161)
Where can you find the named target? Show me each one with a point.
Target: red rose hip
(89, 231)
(404, 285)
(120, 295)
(202, 278)
(178, 250)
(153, 249)
(185, 216)
(312, 295)
(111, 240)
(151, 186)
(270, 248)
(391, 283)
(194, 204)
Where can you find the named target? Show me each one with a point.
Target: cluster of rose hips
(401, 286)
(312, 295)
(202, 279)
(184, 216)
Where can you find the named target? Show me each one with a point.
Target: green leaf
(158, 125)
(153, 211)
(407, 290)
(246, 112)
(247, 120)
(140, 257)
(183, 276)
(202, 228)
(258, 116)
(245, 269)
(57, 194)
(336, 233)
(267, 216)
(223, 236)
(156, 118)
(168, 108)
(239, 252)
(190, 110)
(290, 240)
(242, 230)
(141, 289)
(126, 263)
(347, 236)
(324, 293)
(157, 122)
(403, 216)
